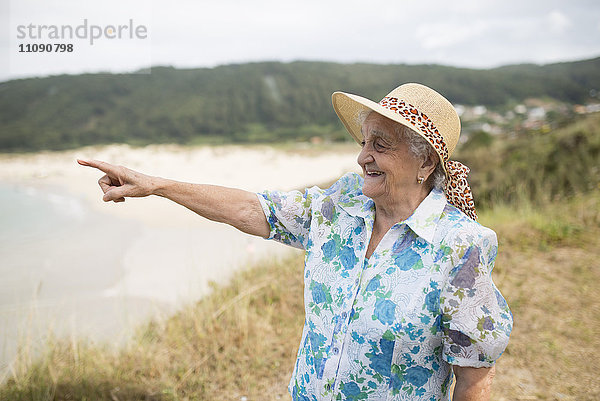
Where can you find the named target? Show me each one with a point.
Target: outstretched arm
(238, 208)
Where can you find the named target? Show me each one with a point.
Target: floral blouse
(388, 327)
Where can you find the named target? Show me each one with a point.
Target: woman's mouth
(373, 173)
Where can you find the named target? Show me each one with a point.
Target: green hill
(254, 102)
(535, 166)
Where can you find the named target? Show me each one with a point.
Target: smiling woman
(391, 167)
(417, 145)
(398, 290)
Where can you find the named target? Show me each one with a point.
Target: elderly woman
(398, 291)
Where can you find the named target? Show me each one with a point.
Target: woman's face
(390, 169)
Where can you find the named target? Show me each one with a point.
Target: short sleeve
(289, 215)
(476, 319)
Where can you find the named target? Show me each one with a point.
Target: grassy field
(241, 341)
(548, 268)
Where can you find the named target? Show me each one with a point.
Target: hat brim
(348, 108)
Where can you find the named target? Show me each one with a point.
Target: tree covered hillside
(254, 102)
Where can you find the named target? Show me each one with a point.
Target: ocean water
(57, 258)
(30, 221)
(29, 215)
(71, 271)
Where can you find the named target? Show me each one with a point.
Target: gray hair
(419, 147)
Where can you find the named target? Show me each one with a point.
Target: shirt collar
(423, 221)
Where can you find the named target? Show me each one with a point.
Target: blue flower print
(417, 376)
(348, 258)
(396, 382)
(328, 249)
(500, 299)
(299, 397)
(404, 243)
(437, 325)
(332, 189)
(385, 311)
(317, 341)
(319, 293)
(358, 338)
(351, 390)
(407, 259)
(432, 301)
(373, 284)
(413, 331)
(381, 362)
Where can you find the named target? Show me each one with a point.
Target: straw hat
(427, 113)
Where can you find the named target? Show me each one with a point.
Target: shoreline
(253, 168)
(162, 256)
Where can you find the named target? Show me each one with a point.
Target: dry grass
(241, 341)
(548, 269)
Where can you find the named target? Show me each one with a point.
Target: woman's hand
(473, 384)
(120, 182)
(238, 208)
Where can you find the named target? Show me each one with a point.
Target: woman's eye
(380, 146)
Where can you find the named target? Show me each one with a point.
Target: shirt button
(336, 350)
(344, 314)
(328, 387)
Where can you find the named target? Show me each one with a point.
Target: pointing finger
(100, 165)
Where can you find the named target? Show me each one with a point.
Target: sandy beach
(109, 267)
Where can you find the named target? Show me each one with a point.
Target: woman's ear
(427, 167)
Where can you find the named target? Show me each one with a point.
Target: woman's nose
(364, 156)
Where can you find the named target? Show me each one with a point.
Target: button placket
(338, 344)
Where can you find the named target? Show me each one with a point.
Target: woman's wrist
(159, 186)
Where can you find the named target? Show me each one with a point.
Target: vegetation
(241, 340)
(257, 102)
(535, 165)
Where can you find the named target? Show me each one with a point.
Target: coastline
(161, 256)
(250, 167)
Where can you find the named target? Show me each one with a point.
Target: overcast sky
(200, 33)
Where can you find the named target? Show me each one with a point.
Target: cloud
(442, 35)
(466, 33)
(558, 21)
